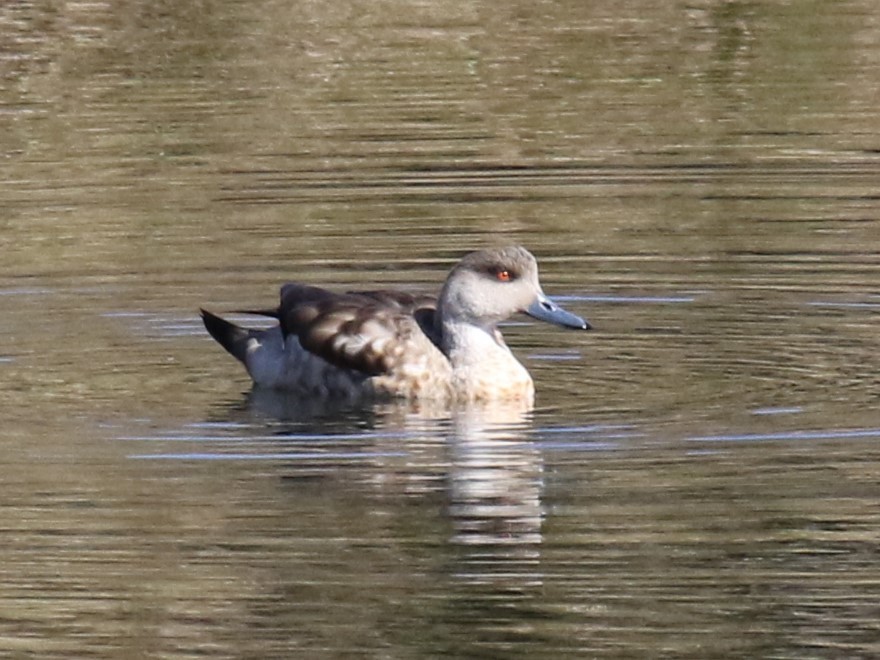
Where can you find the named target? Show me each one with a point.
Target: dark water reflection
(699, 477)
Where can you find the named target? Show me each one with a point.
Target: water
(699, 476)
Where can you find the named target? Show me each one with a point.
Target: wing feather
(364, 331)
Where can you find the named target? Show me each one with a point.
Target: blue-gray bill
(545, 309)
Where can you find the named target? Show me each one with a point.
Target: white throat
(466, 344)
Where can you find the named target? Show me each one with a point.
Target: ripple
(843, 305)
(637, 300)
(829, 434)
(792, 410)
(286, 456)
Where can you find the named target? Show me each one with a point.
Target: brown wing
(364, 331)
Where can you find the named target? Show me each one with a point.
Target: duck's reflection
(494, 473)
(495, 480)
(273, 405)
(479, 457)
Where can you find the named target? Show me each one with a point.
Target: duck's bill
(545, 309)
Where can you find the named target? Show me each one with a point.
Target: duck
(398, 345)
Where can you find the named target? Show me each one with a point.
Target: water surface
(699, 477)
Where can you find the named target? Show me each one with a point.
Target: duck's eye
(501, 274)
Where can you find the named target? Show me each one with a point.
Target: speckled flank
(384, 344)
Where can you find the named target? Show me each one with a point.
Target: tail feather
(230, 336)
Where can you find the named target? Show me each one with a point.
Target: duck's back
(382, 341)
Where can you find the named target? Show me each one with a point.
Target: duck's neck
(466, 344)
(483, 368)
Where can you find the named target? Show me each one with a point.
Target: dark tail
(230, 336)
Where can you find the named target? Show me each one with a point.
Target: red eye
(503, 275)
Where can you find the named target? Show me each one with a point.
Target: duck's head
(488, 286)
